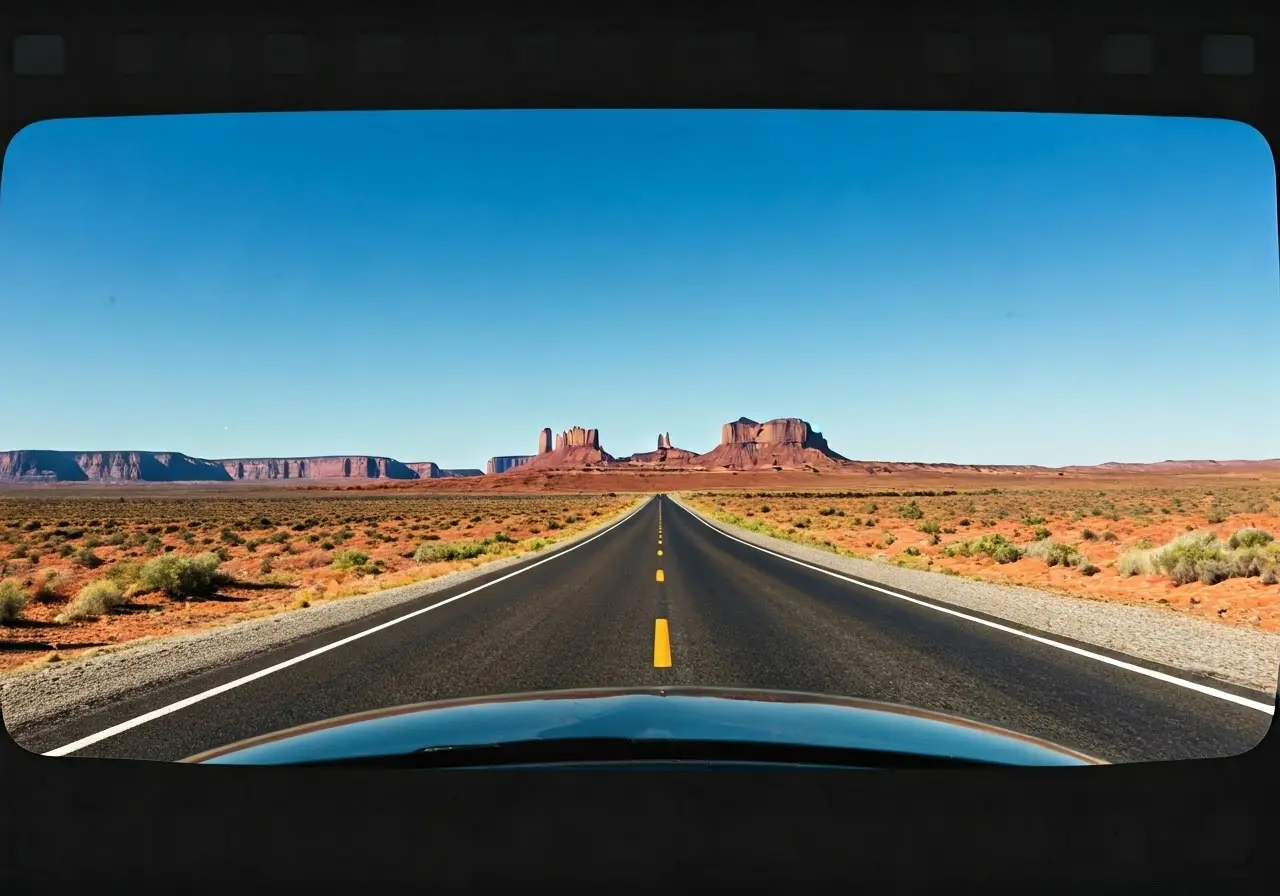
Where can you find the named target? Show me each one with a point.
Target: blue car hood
(647, 714)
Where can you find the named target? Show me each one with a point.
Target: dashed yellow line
(660, 578)
(661, 645)
(659, 552)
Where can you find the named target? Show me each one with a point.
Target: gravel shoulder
(58, 691)
(1244, 657)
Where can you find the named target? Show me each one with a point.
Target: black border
(107, 824)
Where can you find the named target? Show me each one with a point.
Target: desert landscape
(99, 549)
(80, 574)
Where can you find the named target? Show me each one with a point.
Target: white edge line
(1110, 661)
(262, 673)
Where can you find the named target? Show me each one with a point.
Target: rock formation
(328, 467)
(506, 462)
(152, 466)
(665, 455)
(424, 469)
(578, 438)
(544, 440)
(574, 449)
(786, 442)
(457, 474)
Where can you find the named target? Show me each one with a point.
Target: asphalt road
(708, 610)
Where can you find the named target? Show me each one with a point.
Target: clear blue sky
(441, 285)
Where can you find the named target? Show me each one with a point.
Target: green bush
(930, 528)
(1041, 533)
(912, 551)
(95, 599)
(1250, 538)
(910, 511)
(12, 601)
(449, 550)
(88, 559)
(350, 559)
(179, 576)
(995, 546)
(125, 573)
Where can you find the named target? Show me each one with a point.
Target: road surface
(661, 598)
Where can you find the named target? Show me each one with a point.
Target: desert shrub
(802, 522)
(1218, 515)
(929, 528)
(912, 551)
(125, 573)
(231, 537)
(1088, 568)
(45, 590)
(1041, 533)
(1142, 544)
(95, 599)
(1054, 553)
(264, 567)
(910, 511)
(455, 550)
(1250, 538)
(554, 524)
(1088, 535)
(1138, 562)
(350, 559)
(827, 511)
(537, 544)
(180, 576)
(965, 522)
(1030, 520)
(12, 600)
(997, 547)
(1270, 575)
(88, 559)
(502, 538)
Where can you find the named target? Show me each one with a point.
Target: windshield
(848, 435)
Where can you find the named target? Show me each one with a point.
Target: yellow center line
(661, 645)
(659, 552)
(660, 579)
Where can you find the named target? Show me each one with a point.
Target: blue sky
(441, 285)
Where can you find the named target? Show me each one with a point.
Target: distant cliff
(506, 462)
(152, 466)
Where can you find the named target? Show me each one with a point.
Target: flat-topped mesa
(578, 438)
(172, 466)
(357, 466)
(784, 443)
(544, 440)
(425, 469)
(503, 463)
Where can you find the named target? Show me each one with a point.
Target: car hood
(645, 715)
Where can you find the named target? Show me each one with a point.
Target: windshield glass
(892, 433)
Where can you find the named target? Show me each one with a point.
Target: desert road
(662, 598)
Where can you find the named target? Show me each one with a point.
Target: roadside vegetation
(1206, 547)
(115, 569)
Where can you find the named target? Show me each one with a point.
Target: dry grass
(68, 555)
(1088, 541)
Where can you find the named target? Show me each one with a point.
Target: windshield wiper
(618, 749)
